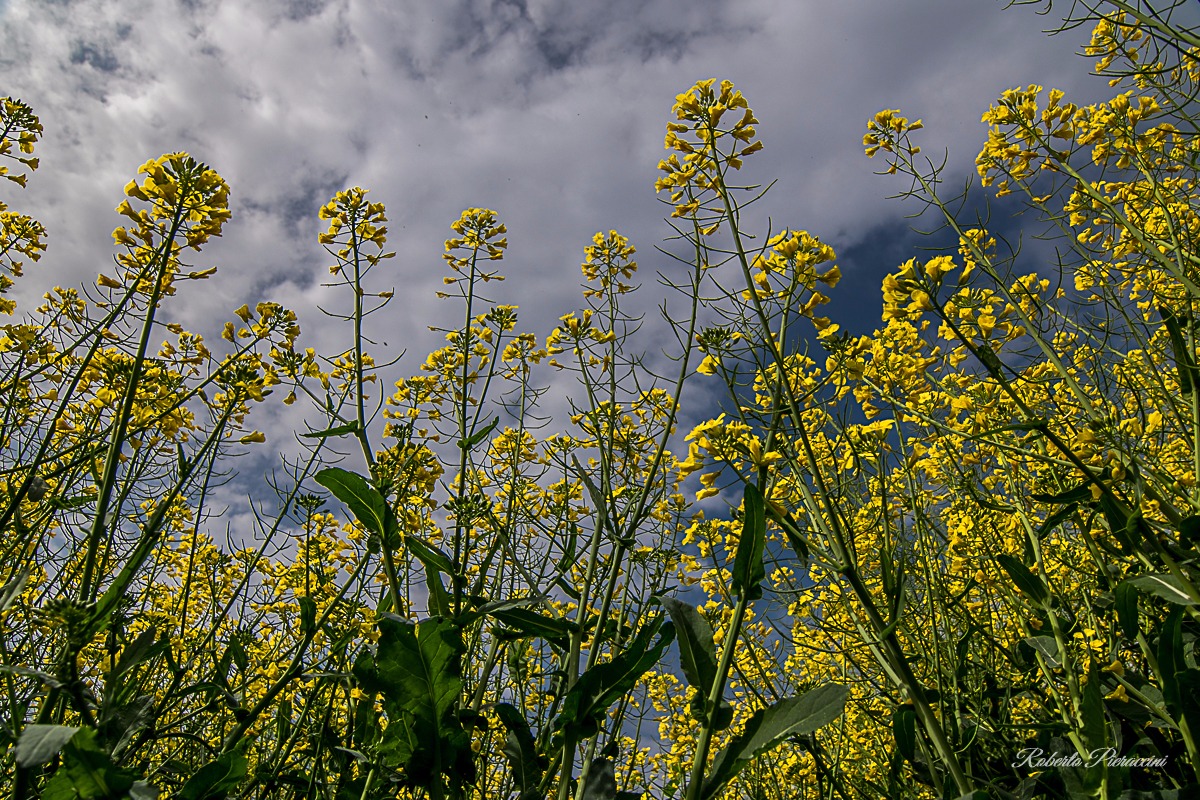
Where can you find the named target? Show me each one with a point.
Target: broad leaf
(40, 743)
(601, 783)
(1163, 585)
(493, 606)
(697, 650)
(519, 748)
(597, 689)
(479, 435)
(12, 590)
(1125, 525)
(418, 670)
(904, 730)
(1184, 361)
(748, 569)
(91, 771)
(769, 727)
(431, 557)
(1029, 584)
(438, 602)
(366, 504)
(1075, 494)
(145, 647)
(698, 658)
(1189, 530)
(339, 430)
(1048, 647)
(531, 623)
(1171, 659)
(1094, 727)
(217, 778)
(1056, 519)
(1127, 609)
(308, 616)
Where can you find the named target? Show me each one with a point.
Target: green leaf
(601, 783)
(1092, 710)
(1125, 525)
(697, 650)
(1075, 494)
(1127, 609)
(217, 778)
(598, 688)
(40, 743)
(531, 623)
(145, 647)
(790, 529)
(598, 499)
(1163, 585)
(366, 504)
(1189, 696)
(1036, 425)
(1056, 519)
(748, 569)
(1189, 529)
(489, 608)
(1184, 362)
(120, 721)
(904, 729)
(769, 727)
(418, 670)
(91, 771)
(568, 556)
(439, 604)
(698, 658)
(1048, 647)
(308, 616)
(29, 672)
(67, 503)
(237, 652)
(1171, 659)
(12, 590)
(339, 430)
(521, 751)
(59, 788)
(1029, 584)
(143, 790)
(478, 436)
(431, 557)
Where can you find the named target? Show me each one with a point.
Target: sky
(551, 112)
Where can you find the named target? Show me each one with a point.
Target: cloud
(549, 111)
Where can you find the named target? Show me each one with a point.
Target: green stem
(715, 694)
(117, 440)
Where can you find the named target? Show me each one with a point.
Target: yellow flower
(709, 365)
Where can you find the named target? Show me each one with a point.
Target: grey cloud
(96, 56)
(550, 111)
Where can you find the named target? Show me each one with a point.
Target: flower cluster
(891, 133)
(19, 125)
(789, 269)
(353, 223)
(480, 235)
(704, 149)
(20, 234)
(188, 203)
(606, 260)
